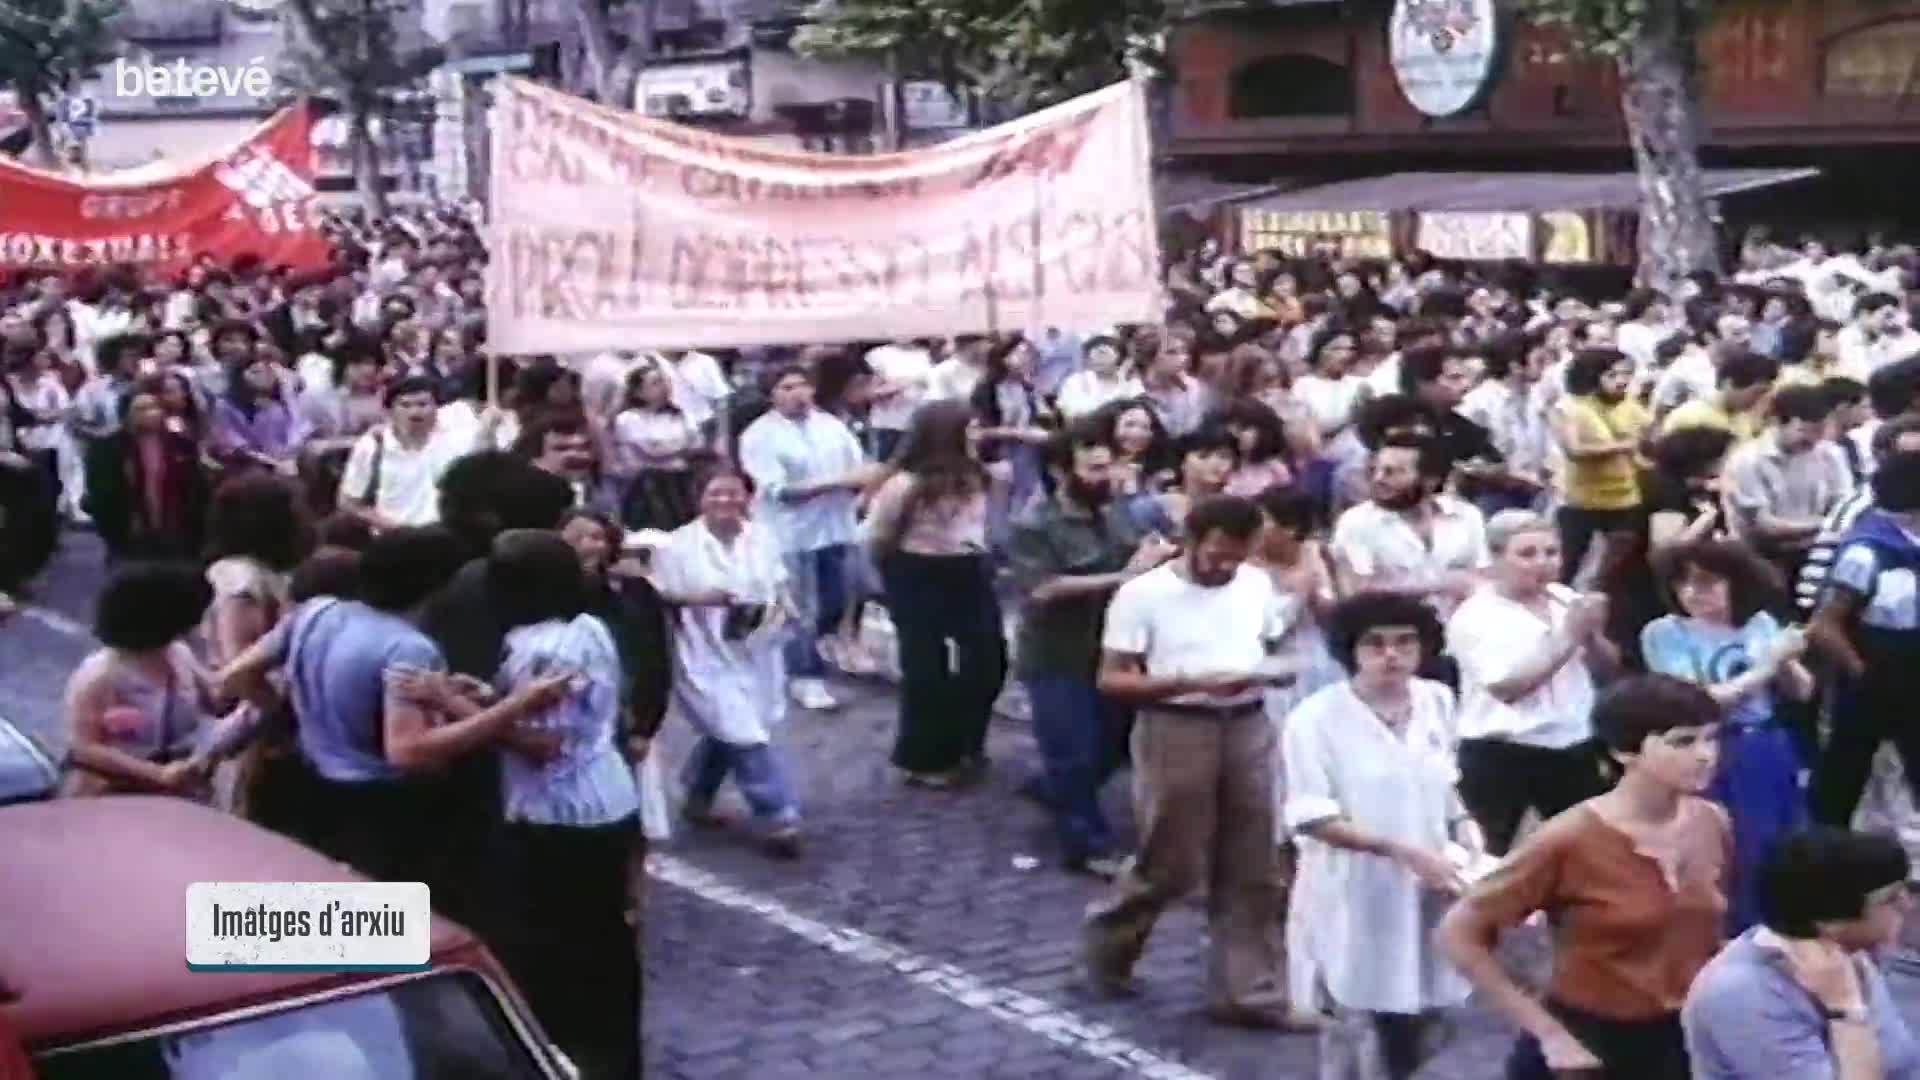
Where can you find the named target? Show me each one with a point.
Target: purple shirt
(270, 432)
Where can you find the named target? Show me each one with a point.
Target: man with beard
(1069, 553)
(1599, 427)
(1188, 644)
(1407, 537)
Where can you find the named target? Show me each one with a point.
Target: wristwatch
(1855, 1015)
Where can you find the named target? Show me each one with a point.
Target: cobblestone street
(923, 934)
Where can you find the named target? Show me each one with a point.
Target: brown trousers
(1203, 796)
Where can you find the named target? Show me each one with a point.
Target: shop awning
(1198, 193)
(1513, 192)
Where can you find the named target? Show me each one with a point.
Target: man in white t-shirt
(1526, 646)
(392, 476)
(1188, 645)
(902, 372)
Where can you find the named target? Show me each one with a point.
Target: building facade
(1309, 91)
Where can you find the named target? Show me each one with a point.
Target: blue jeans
(819, 583)
(1080, 734)
(756, 770)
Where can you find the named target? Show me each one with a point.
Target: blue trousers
(1081, 734)
(819, 583)
(756, 770)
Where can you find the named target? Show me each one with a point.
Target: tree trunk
(615, 71)
(41, 152)
(1660, 97)
(366, 163)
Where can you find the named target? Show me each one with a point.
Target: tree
(616, 59)
(1656, 46)
(1021, 54)
(48, 47)
(359, 54)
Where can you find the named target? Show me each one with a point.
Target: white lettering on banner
(612, 230)
(1476, 235)
(37, 250)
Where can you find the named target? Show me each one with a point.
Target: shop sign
(1878, 62)
(1300, 234)
(1569, 239)
(1445, 53)
(1476, 236)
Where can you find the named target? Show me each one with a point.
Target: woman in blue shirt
(1721, 637)
(571, 808)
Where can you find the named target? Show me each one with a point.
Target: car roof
(93, 936)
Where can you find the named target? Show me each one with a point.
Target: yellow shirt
(1612, 482)
(1703, 412)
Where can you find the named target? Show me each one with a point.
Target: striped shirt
(1819, 563)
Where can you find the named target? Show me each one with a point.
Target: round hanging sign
(1445, 53)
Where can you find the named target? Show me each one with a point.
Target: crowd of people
(1420, 599)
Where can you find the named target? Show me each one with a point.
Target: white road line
(1035, 1015)
(54, 621)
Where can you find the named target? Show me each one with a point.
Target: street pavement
(922, 934)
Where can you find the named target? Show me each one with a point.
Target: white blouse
(1367, 922)
(650, 439)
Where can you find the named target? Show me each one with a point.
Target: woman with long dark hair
(146, 489)
(253, 426)
(652, 441)
(928, 532)
(1015, 420)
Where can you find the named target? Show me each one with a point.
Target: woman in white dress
(725, 576)
(1370, 793)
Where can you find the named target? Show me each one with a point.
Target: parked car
(94, 981)
(27, 771)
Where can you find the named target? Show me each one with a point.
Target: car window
(443, 1027)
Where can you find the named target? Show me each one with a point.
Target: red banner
(257, 198)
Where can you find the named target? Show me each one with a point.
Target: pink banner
(613, 231)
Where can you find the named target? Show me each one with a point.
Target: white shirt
(1181, 628)
(1367, 921)
(1490, 636)
(1690, 377)
(907, 367)
(1083, 392)
(1377, 543)
(409, 482)
(699, 386)
(779, 453)
(1641, 341)
(603, 383)
(1331, 401)
(1384, 379)
(1859, 357)
(953, 379)
(1519, 430)
(648, 439)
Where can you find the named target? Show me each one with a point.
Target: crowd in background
(1420, 598)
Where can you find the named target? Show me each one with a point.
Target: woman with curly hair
(1721, 637)
(1384, 839)
(135, 707)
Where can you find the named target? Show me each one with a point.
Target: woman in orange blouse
(1634, 883)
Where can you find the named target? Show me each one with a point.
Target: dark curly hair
(1374, 609)
(149, 605)
(1753, 585)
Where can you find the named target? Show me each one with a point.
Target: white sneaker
(811, 694)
